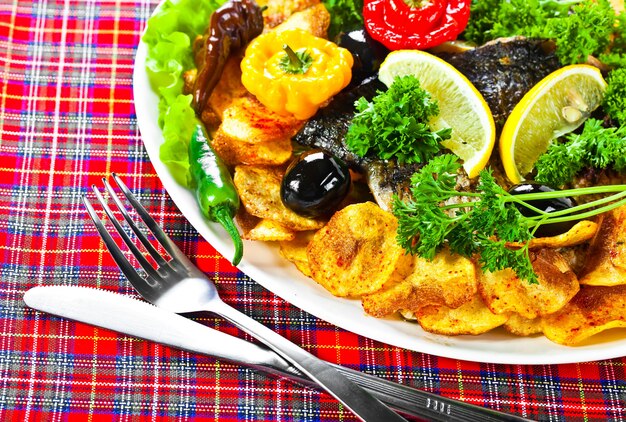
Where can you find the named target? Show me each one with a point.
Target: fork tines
(117, 254)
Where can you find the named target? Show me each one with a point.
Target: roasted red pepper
(415, 24)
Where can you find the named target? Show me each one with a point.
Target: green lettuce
(169, 36)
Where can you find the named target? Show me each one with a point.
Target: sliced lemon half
(555, 106)
(461, 106)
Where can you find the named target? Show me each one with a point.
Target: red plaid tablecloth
(67, 120)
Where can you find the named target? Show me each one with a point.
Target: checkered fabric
(67, 120)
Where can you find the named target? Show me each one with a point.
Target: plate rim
(330, 308)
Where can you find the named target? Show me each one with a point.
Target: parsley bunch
(579, 27)
(491, 19)
(395, 124)
(596, 146)
(344, 15)
(614, 102)
(584, 32)
(481, 223)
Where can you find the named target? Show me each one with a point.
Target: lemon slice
(461, 106)
(555, 106)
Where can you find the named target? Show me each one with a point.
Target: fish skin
(505, 69)
(328, 128)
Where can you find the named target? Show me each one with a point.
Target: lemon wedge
(555, 106)
(461, 106)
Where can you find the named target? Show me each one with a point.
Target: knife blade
(140, 319)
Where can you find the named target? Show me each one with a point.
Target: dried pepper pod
(232, 26)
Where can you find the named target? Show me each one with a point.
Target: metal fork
(178, 285)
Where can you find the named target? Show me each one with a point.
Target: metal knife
(140, 319)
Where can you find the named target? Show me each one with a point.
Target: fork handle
(356, 399)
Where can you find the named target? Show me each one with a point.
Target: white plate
(263, 264)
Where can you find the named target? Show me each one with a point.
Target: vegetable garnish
(614, 103)
(580, 28)
(415, 24)
(232, 26)
(480, 223)
(267, 75)
(395, 124)
(214, 188)
(168, 36)
(596, 147)
(344, 16)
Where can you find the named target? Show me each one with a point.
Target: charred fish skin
(327, 129)
(505, 69)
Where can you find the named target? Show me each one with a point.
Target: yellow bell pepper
(293, 71)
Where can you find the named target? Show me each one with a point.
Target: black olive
(547, 205)
(368, 53)
(315, 184)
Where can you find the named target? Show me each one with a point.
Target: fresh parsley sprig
(481, 223)
(579, 27)
(596, 147)
(395, 124)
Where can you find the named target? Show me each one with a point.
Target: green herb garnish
(395, 124)
(482, 222)
(345, 15)
(614, 102)
(579, 27)
(169, 35)
(596, 147)
(491, 19)
(586, 31)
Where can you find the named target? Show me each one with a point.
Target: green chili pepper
(215, 191)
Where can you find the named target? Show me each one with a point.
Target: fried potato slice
(605, 263)
(295, 251)
(580, 233)
(356, 253)
(524, 327)
(504, 292)
(278, 11)
(233, 152)
(225, 92)
(314, 19)
(247, 120)
(471, 318)
(593, 310)
(270, 231)
(449, 280)
(259, 190)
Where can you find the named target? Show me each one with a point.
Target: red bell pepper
(415, 24)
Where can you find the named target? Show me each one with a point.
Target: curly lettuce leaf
(169, 36)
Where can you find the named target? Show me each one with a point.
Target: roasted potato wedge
(471, 318)
(593, 310)
(356, 253)
(605, 261)
(259, 190)
(504, 292)
(449, 280)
